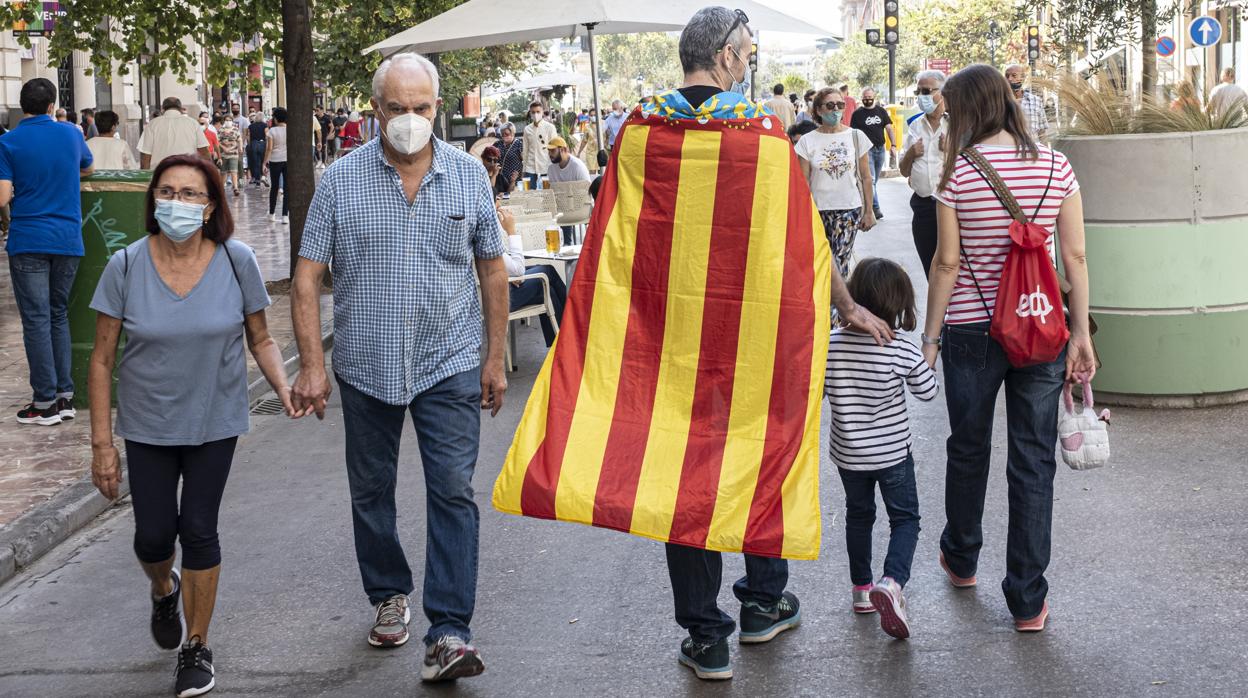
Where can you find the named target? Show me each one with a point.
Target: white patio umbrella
(547, 80)
(481, 23)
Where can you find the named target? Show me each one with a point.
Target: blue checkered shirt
(406, 310)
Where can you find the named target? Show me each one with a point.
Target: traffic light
(891, 12)
(873, 37)
(1033, 44)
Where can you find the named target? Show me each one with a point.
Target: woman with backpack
(1001, 163)
(188, 299)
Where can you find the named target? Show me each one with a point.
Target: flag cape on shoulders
(681, 399)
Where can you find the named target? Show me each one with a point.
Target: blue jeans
(447, 418)
(534, 178)
(901, 500)
(876, 157)
(975, 369)
(696, 577)
(41, 284)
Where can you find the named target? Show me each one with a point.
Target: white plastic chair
(529, 311)
(574, 205)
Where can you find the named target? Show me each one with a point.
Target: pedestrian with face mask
(537, 134)
(1030, 103)
(923, 162)
(834, 160)
(614, 122)
(408, 339)
(186, 291)
(875, 121)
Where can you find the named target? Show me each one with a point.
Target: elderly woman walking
(186, 296)
(973, 240)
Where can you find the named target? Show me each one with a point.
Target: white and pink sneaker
(862, 599)
(887, 598)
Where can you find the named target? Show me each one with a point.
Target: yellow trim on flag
(800, 492)
(659, 482)
(756, 348)
(608, 324)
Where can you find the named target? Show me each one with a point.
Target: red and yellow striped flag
(681, 400)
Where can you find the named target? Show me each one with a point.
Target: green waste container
(112, 217)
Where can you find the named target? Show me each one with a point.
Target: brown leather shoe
(1033, 625)
(955, 580)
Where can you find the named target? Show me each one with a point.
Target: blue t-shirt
(43, 158)
(182, 380)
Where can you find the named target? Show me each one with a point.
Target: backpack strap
(226, 246)
(1003, 193)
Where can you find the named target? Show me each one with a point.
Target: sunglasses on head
(741, 20)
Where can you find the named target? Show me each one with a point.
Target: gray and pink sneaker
(862, 599)
(887, 598)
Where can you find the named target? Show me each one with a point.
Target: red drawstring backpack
(1028, 321)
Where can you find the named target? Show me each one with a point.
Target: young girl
(870, 438)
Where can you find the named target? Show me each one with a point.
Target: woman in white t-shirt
(834, 160)
(275, 163)
(973, 240)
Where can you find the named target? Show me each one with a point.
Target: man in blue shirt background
(41, 162)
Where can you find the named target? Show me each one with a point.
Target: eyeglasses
(928, 90)
(189, 196)
(832, 105)
(741, 20)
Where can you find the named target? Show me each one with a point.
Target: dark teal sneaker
(708, 662)
(761, 623)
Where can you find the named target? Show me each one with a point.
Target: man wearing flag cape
(681, 400)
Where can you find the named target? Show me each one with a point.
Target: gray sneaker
(390, 627)
(887, 598)
(450, 658)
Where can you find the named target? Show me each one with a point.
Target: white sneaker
(285, 220)
(887, 598)
(273, 217)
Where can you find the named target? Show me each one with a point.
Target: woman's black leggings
(277, 173)
(159, 519)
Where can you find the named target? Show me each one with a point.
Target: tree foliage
(862, 65)
(959, 30)
(630, 64)
(346, 29)
(155, 32)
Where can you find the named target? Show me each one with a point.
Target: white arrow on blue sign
(1205, 31)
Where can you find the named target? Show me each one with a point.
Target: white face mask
(408, 133)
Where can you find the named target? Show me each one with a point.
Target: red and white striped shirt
(985, 222)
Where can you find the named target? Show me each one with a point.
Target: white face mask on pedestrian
(408, 133)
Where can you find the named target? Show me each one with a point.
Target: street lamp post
(994, 36)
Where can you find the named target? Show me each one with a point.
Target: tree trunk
(1148, 49)
(297, 60)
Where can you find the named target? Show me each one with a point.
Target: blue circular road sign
(1205, 31)
(1165, 46)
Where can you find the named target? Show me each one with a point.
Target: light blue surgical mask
(926, 103)
(832, 118)
(742, 86)
(179, 220)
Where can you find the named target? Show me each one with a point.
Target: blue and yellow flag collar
(725, 105)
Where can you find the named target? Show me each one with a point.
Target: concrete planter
(1167, 241)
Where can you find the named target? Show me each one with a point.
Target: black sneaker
(709, 662)
(194, 675)
(46, 417)
(65, 406)
(761, 623)
(167, 617)
(450, 658)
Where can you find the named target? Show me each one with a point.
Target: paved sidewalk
(1147, 581)
(38, 462)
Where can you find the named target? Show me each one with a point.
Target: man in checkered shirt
(403, 220)
(1028, 101)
